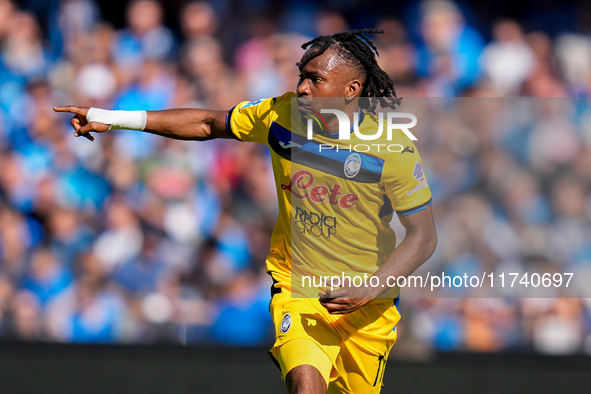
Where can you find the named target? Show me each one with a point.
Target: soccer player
(334, 210)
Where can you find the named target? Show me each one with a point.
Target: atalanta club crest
(286, 323)
(352, 165)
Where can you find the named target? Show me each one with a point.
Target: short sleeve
(404, 180)
(250, 121)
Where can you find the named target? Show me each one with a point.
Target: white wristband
(132, 120)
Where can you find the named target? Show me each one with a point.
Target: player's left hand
(346, 300)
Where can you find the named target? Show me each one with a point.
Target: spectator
(146, 37)
(450, 51)
(509, 60)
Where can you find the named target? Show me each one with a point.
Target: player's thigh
(368, 337)
(359, 372)
(303, 336)
(295, 359)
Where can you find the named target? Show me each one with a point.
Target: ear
(353, 89)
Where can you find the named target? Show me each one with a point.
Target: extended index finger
(70, 108)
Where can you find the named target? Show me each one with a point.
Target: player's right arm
(181, 124)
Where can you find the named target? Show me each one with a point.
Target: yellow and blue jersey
(335, 204)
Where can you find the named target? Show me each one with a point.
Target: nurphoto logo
(345, 125)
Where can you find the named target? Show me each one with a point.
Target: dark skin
(305, 379)
(418, 245)
(338, 84)
(324, 76)
(180, 124)
(329, 76)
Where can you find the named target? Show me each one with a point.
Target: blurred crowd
(138, 239)
(510, 179)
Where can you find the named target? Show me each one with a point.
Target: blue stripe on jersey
(284, 135)
(371, 163)
(396, 302)
(299, 149)
(417, 209)
(228, 126)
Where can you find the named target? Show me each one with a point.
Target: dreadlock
(356, 48)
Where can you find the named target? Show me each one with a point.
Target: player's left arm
(407, 188)
(416, 248)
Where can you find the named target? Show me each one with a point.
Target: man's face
(327, 75)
